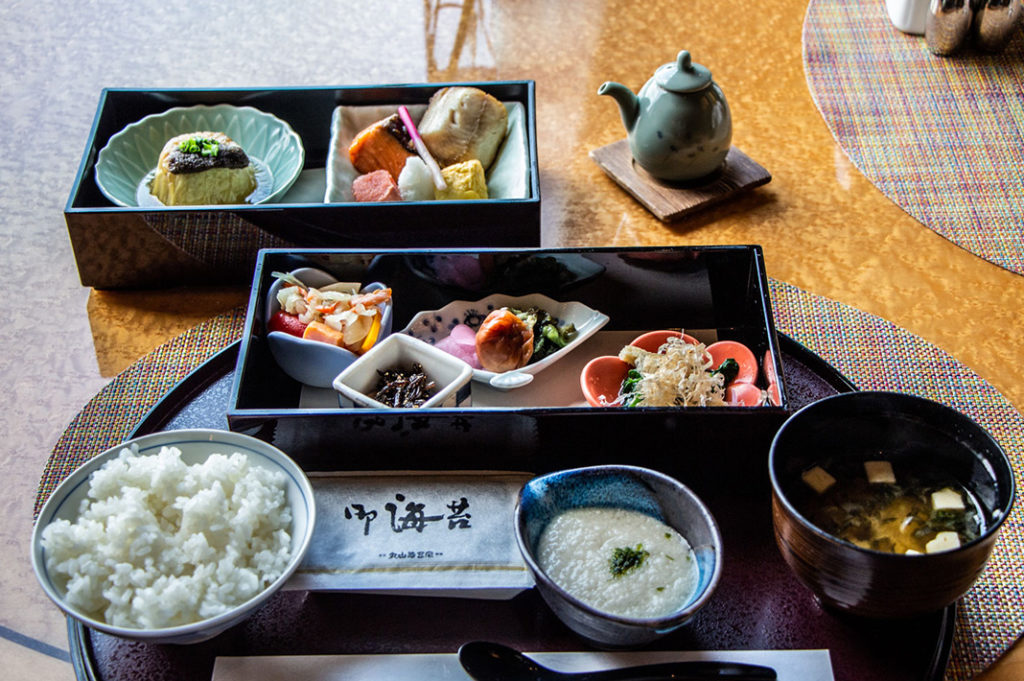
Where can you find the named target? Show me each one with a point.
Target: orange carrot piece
(318, 331)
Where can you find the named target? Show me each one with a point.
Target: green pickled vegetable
(548, 336)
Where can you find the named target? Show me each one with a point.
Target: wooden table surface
(822, 225)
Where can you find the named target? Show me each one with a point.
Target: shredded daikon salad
(340, 306)
(678, 375)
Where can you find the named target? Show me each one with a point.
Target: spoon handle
(683, 671)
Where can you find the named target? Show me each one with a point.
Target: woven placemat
(871, 352)
(942, 137)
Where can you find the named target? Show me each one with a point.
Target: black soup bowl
(913, 434)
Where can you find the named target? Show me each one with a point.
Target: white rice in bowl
(159, 543)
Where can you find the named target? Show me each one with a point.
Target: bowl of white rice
(174, 537)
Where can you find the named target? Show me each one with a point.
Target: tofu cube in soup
(947, 499)
(879, 472)
(944, 541)
(818, 479)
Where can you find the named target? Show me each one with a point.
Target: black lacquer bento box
(713, 292)
(128, 246)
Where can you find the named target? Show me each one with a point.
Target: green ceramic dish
(132, 154)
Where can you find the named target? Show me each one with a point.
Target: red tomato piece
(286, 323)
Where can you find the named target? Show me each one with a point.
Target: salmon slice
(378, 148)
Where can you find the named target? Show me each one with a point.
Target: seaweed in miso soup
(880, 506)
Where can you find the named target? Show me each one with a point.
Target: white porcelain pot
(908, 15)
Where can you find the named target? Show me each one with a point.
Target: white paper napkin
(422, 533)
(790, 665)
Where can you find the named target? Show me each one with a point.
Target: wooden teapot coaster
(671, 201)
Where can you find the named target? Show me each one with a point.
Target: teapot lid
(683, 75)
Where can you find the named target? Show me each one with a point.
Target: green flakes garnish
(625, 559)
(200, 145)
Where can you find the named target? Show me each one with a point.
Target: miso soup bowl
(911, 432)
(627, 487)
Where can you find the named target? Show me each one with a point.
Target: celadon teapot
(679, 126)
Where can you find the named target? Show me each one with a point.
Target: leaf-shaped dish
(434, 325)
(308, 361)
(132, 154)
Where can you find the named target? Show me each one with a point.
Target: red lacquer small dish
(602, 377)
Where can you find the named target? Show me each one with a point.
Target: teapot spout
(629, 105)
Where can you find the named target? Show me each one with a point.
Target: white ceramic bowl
(195, 445)
(312, 362)
(131, 154)
(450, 374)
(434, 325)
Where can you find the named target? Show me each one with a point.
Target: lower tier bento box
(713, 293)
(132, 246)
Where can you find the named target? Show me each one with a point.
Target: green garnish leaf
(631, 395)
(625, 559)
(729, 369)
(203, 146)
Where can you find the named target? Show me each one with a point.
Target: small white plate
(434, 325)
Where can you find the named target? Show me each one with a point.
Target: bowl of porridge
(621, 554)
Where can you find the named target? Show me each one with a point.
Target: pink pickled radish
(421, 148)
(461, 344)
(463, 335)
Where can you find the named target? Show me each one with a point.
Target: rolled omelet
(200, 168)
(463, 181)
(463, 123)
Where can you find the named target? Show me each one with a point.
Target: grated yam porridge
(619, 561)
(159, 543)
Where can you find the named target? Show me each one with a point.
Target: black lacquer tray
(758, 603)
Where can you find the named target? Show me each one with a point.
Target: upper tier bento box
(128, 246)
(713, 293)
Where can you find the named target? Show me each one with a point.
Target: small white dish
(312, 362)
(450, 374)
(433, 325)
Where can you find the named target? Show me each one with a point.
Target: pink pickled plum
(461, 343)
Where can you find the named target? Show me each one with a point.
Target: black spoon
(486, 661)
